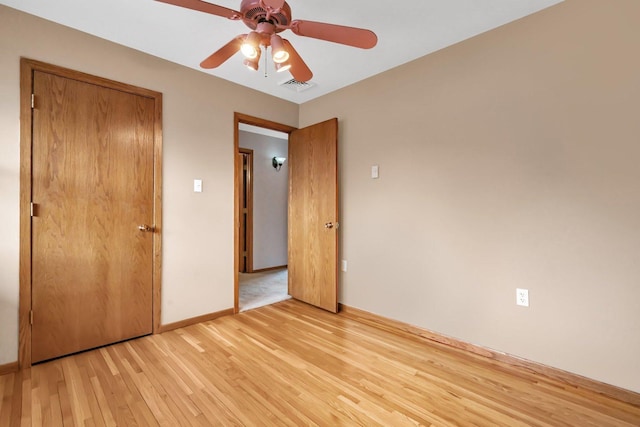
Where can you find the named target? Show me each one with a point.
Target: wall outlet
(522, 297)
(344, 265)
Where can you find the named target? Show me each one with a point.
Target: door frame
(27, 68)
(254, 121)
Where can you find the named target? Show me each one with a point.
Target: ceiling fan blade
(350, 36)
(225, 52)
(274, 4)
(202, 6)
(299, 70)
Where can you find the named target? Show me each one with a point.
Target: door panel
(313, 204)
(242, 203)
(246, 209)
(92, 268)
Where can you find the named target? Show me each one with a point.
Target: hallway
(260, 289)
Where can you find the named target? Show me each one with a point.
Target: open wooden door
(313, 215)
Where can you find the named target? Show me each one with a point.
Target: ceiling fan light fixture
(252, 63)
(284, 66)
(278, 52)
(280, 56)
(251, 46)
(265, 18)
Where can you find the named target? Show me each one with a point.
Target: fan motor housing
(254, 13)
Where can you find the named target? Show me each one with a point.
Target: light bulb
(283, 67)
(278, 52)
(251, 45)
(251, 63)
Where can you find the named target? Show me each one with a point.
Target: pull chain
(265, 63)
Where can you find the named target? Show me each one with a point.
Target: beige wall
(198, 143)
(509, 160)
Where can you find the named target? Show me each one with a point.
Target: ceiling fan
(266, 18)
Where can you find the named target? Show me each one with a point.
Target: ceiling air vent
(294, 84)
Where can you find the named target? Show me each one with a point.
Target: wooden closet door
(92, 188)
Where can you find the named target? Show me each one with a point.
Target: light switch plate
(375, 172)
(197, 186)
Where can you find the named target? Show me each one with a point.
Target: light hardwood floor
(291, 364)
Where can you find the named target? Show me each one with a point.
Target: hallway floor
(260, 289)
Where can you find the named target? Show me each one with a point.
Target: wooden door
(92, 186)
(245, 203)
(242, 205)
(313, 215)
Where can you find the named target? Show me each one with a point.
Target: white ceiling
(406, 30)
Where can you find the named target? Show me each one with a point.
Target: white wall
(270, 194)
(509, 160)
(198, 123)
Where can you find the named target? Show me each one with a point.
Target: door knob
(145, 227)
(330, 225)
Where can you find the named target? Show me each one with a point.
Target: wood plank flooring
(290, 364)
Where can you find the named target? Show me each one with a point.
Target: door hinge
(33, 100)
(31, 317)
(33, 209)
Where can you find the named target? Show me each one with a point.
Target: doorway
(312, 217)
(90, 212)
(252, 273)
(263, 200)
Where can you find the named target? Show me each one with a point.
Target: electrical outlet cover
(522, 297)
